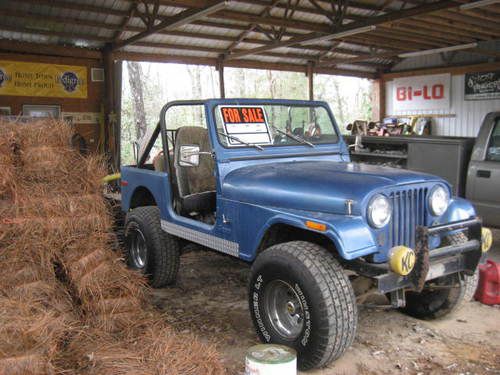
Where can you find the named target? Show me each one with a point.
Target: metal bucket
(270, 359)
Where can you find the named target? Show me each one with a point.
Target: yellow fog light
(486, 239)
(401, 260)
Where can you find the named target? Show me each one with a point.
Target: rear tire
(449, 294)
(149, 249)
(299, 296)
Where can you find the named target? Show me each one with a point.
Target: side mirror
(348, 127)
(189, 156)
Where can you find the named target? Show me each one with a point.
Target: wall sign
(47, 80)
(484, 85)
(81, 117)
(421, 93)
(248, 124)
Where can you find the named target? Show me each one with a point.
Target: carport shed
(362, 38)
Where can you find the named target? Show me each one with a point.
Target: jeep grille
(408, 210)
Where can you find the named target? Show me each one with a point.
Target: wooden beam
(49, 49)
(178, 20)
(373, 21)
(455, 70)
(249, 64)
(63, 34)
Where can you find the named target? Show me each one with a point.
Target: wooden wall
(93, 102)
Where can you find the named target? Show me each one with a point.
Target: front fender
(350, 234)
(459, 209)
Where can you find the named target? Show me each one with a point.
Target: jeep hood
(320, 186)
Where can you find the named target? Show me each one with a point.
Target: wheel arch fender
(141, 196)
(458, 209)
(285, 228)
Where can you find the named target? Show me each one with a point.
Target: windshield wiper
(242, 142)
(294, 137)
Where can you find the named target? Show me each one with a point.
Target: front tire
(149, 249)
(299, 296)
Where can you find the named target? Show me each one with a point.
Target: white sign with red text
(429, 92)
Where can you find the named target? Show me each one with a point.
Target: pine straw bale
(26, 364)
(27, 324)
(20, 272)
(108, 279)
(25, 258)
(61, 169)
(7, 161)
(52, 232)
(54, 205)
(156, 350)
(46, 132)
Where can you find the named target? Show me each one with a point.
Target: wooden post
(310, 77)
(378, 99)
(109, 106)
(220, 68)
(118, 75)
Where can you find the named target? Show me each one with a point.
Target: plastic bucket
(270, 359)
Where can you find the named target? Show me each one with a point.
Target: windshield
(273, 125)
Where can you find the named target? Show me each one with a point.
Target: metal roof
(352, 37)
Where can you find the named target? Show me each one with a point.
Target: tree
(136, 79)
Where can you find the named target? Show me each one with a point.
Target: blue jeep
(271, 182)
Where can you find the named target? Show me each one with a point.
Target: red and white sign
(422, 93)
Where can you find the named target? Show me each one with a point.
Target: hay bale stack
(8, 147)
(70, 304)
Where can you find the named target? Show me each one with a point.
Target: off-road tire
(163, 250)
(330, 311)
(433, 304)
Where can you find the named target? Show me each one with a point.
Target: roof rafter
(388, 17)
(179, 19)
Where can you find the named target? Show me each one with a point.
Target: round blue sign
(69, 80)
(3, 77)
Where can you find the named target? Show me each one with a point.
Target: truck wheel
(299, 296)
(148, 248)
(443, 295)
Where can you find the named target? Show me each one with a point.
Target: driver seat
(195, 184)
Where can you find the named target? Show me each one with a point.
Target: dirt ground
(210, 300)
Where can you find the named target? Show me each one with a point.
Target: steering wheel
(313, 131)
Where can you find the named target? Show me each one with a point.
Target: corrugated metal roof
(95, 23)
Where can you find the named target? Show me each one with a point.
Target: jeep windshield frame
(289, 123)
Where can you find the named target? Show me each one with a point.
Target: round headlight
(379, 211)
(439, 198)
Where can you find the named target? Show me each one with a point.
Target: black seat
(195, 184)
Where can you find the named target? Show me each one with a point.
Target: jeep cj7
(271, 182)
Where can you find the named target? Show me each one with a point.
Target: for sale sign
(245, 124)
(422, 93)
